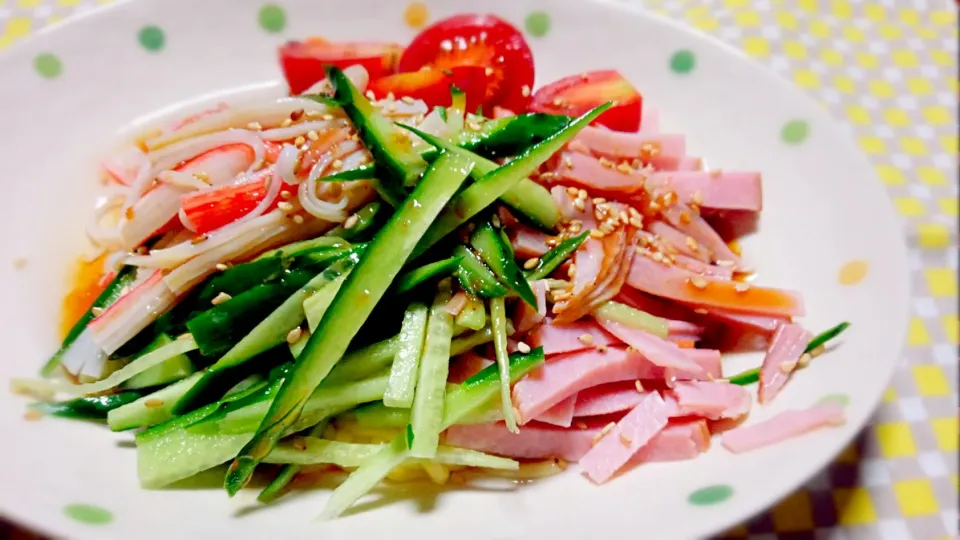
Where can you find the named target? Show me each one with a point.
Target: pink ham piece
(585, 171)
(564, 338)
(626, 438)
(714, 190)
(691, 224)
(783, 426)
(527, 242)
(535, 440)
(658, 279)
(680, 242)
(785, 350)
(683, 328)
(607, 399)
(701, 268)
(680, 440)
(560, 414)
(658, 351)
(711, 400)
(674, 163)
(619, 145)
(767, 325)
(570, 212)
(527, 317)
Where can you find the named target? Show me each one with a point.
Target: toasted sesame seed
(623, 216)
(601, 348)
(285, 206)
(604, 432)
(557, 102)
(582, 194)
(804, 359)
(579, 205)
(586, 339)
(391, 96)
(692, 244)
(351, 222)
(32, 415)
(597, 233)
(572, 191)
(685, 217)
(286, 122)
(581, 425)
(128, 213)
(153, 403)
(697, 198)
(523, 347)
(625, 440)
(299, 141)
(598, 201)
(530, 264)
(221, 267)
(198, 239)
(525, 90)
(202, 176)
(567, 162)
(254, 126)
(337, 163)
(572, 271)
(313, 135)
(741, 287)
(328, 117)
(407, 99)
(787, 367)
(220, 298)
(495, 220)
(606, 163)
(561, 295)
(294, 335)
(19, 263)
(700, 311)
(550, 241)
(624, 168)
(639, 386)
(636, 222)
(724, 262)
(313, 114)
(369, 94)
(817, 351)
(298, 219)
(96, 311)
(698, 282)
(284, 194)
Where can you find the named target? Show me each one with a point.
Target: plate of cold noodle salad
(499, 270)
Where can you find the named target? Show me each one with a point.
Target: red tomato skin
(303, 61)
(433, 85)
(576, 94)
(478, 40)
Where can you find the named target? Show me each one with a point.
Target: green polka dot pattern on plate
(795, 131)
(272, 18)
(839, 399)
(714, 494)
(48, 65)
(683, 62)
(88, 514)
(151, 38)
(537, 23)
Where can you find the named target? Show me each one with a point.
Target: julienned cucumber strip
(403, 372)
(276, 486)
(124, 278)
(495, 252)
(475, 277)
(303, 246)
(315, 451)
(498, 321)
(316, 305)
(473, 314)
(751, 376)
(409, 280)
(483, 193)
(385, 256)
(632, 318)
(269, 333)
(171, 370)
(87, 408)
(552, 259)
(393, 154)
(474, 393)
(138, 414)
(427, 412)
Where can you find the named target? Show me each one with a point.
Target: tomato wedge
(578, 94)
(432, 85)
(478, 40)
(303, 61)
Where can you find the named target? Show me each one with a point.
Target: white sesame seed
(692, 244)
(636, 222)
(328, 117)
(294, 335)
(724, 263)
(804, 359)
(19, 263)
(700, 311)
(153, 403)
(298, 219)
(586, 339)
(557, 102)
(741, 287)
(525, 90)
(532, 263)
(284, 194)
(202, 176)
(597, 233)
(285, 206)
(625, 439)
(220, 298)
(299, 140)
(96, 311)
(572, 191)
(286, 122)
(254, 126)
(787, 367)
(313, 114)
(604, 432)
(523, 347)
(221, 267)
(336, 164)
(407, 99)
(351, 222)
(369, 94)
(698, 282)
(495, 220)
(599, 200)
(817, 351)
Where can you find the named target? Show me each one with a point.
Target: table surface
(887, 69)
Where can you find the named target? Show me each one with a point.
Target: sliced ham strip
(660, 352)
(785, 350)
(619, 444)
(783, 426)
(563, 338)
(585, 171)
(679, 242)
(658, 279)
(560, 414)
(683, 328)
(680, 440)
(527, 317)
(535, 440)
(564, 375)
(607, 399)
(570, 212)
(621, 145)
(767, 325)
(692, 224)
(528, 242)
(701, 268)
(714, 190)
(711, 400)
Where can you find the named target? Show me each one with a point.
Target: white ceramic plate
(67, 91)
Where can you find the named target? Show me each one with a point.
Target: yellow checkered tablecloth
(888, 69)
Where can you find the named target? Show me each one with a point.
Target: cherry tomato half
(303, 61)
(478, 40)
(578, 94)
(432, 85)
